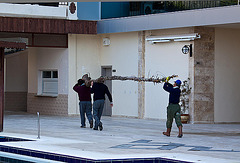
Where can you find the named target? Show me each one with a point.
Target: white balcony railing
(33, 11)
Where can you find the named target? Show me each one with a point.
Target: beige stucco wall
(122, 55)
(16, 72)
(32, 71)
(83, 58)
(161, 59)
(16, 82)
(227, 59)
(87, 54)
(164, 59)
(48, 59)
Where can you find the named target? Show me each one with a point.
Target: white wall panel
(122, 55)
(163, 59)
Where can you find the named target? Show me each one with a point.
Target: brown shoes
(180, 132)
(180, 136)
(167, 133)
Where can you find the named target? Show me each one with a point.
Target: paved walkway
(125, 138)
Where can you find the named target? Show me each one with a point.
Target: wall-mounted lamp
(187, 49)
(106, 41)
(168, 38)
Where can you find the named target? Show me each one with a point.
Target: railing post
(38, 125)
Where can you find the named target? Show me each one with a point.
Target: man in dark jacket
(85, 104)
(99, 90)
(173, 109)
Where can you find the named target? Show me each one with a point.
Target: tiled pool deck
(123, 138)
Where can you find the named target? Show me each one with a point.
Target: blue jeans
(97, 111)
(85, 108)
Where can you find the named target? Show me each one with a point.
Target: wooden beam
(5, 44)
(47, 26)
(1, 87)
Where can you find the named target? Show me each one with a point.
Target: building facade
(43, 76)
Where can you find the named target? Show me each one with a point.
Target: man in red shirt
(85, 104)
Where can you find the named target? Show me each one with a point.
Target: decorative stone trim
(203, 92)
(141, 73)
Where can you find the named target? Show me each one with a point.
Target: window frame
(50, 80)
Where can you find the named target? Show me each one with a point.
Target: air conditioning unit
(148, 8)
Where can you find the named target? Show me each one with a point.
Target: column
(141, 73)
(203, 92)
(1, 87)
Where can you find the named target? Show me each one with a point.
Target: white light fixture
(157, 41)
(106, 41)
(168, 38)
(183, 39)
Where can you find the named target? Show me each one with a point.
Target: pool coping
(68, 158)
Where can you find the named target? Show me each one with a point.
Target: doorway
(107, 71)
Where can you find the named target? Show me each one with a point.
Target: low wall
(47, 105)
(16, 101)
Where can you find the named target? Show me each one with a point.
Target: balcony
(34, 11)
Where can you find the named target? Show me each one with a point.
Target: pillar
(202, 99)
(141, 73)
(1, 87)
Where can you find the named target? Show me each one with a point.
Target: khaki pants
(173, 111)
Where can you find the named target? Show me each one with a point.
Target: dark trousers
(85, 108)
(173, 111)
(97, 111)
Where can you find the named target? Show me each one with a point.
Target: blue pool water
(11, 160)
(8, 139)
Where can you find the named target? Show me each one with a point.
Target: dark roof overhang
(47, 26)
(18, 45)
